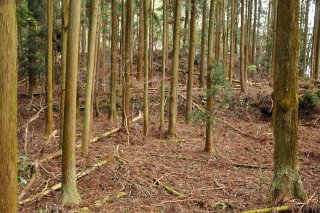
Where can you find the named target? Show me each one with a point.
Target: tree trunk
(141, 41)
(151, 41)
(191, 60)
(128, 46)
(70, 193)
(113, 95)
(8, 107)
(203, 43)
(254, 33)
(164, 60)
(83, 34)
(286, 182)
(65, 14)
(208, 145)
(90, 75)
(303, 68)
(186, 24)
(49, 63)
(146, 71)
(231, 63)
(316, 41)
(242, 49)
(173, 106)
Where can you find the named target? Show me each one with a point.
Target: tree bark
(8, 107)
(146, 71)
(231, 63)
(208, 145)
(141, 42)
(191, 60)
(128, 46)
(203, 43)
(242, 49)
(70, 193)
(113, 95)
(173, 106)
(286, 182)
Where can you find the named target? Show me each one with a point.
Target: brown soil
(238, 174)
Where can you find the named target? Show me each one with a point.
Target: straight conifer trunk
(231, 63)
(173, 107)
(242, 49)
(146, 69)
(203, 43)
(114, 31)
(164, 61)
(208, 145)
(49, 63)
(286, 182)
(90, 75)
(141, 41)
(191, 60)
(128, 46)
(70, 193)
(8, 107)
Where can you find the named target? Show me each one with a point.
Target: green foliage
(252, 68)
(25, 16)
(309, 101)
(221, 91)
(23, 169)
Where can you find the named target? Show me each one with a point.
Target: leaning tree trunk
(191, 60)
(173, 107)
(49, 63)
(286, 182)
(90, 75)
(208, 145)
(8, 107)
(203, 43)
(70, 193)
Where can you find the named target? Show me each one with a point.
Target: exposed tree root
(104, 135)
(58, 186)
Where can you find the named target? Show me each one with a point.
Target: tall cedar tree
(90, 75)
(208, 145)
(114, 31)
(65, 14)
(70, 193)
(305, 40)
(173, 106)
(242, 50)
(146, 70)
(49, 63)
(191, 60)
(8, 107)
(128, 46)
(203, 43)
(164, 60)
(286, 182)
(141, 42)
(316, 42)
(232, 46)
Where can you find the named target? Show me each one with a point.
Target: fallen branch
(273, 209)
(222, 121)
(104, 135)
(58, 186)
(169, 189)
(249, 166)
(174, 157)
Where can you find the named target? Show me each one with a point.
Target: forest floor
(156, 174)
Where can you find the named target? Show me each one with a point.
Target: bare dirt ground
(142, 170)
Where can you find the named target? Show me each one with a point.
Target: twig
(169, 189)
